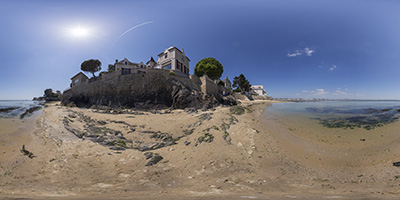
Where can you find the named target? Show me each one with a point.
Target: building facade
(174, 59)
(259, 89)
(127, 67)
(78, 79)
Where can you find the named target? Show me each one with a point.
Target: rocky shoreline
(224, 152)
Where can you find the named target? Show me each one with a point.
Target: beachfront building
(175, 60)
(259, 89)
(78, 79)
(127, 67)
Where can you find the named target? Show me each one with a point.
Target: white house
(259, 89)
(174, 59)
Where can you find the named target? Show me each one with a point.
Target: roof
(79, 74)
(122, 62)
(151, 60)
(170, 48)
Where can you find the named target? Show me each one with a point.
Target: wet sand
(265, 160)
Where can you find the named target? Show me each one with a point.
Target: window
(166, 55)
(76, 81)
(167, 66)
(126, 63)
(125, 71)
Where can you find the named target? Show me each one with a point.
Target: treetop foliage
(241, 83)
(210, 66)
(92, 66)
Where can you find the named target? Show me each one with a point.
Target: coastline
(260, 162)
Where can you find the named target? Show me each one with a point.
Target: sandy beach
(256, 159)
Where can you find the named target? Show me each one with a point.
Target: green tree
(111, 68)
(48, 92)
(92, 66)
(210, 66)
(241, 83)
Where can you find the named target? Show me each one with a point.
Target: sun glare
(79, 32)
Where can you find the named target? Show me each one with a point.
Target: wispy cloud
(323, 92)
(297, 53)
(328, 66)
(306, 51)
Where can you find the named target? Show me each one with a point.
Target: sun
(79, 32)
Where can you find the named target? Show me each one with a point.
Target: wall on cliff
(154, 89)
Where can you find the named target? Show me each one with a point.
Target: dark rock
(147, 131)
(205, 116)
(117, 148)
(195, 124)
(188, 132)
(148, 155)
(229, 100)
(186, 143)
(9, 109)
(190, 110)
(30, 111)
(102, 122)
(155, 158)
(396, 164)
(183, 97)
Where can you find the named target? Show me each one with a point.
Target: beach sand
(265, 159)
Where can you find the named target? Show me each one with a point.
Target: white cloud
(306, 51)
(297, 53)
(320, 92)
(323, 92)
(332, 68)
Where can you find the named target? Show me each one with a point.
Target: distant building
(78, 79)
(259, 89)
(227, 83)
(174, 59)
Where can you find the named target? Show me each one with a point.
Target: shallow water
(14, 108)
(342, 123)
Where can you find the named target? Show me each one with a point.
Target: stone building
(78, 79)
(175, 60)
(151, 63)
(127, 67)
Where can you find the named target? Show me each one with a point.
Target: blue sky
(295, 48)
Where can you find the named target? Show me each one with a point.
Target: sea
(17, 108)
(338, 122)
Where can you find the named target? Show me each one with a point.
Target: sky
(294, 48)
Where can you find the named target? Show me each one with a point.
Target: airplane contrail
(137, 26)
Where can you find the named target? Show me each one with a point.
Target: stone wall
(156, 88)
(209, 87)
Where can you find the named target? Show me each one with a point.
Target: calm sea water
(13, 108)
(340, 114)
